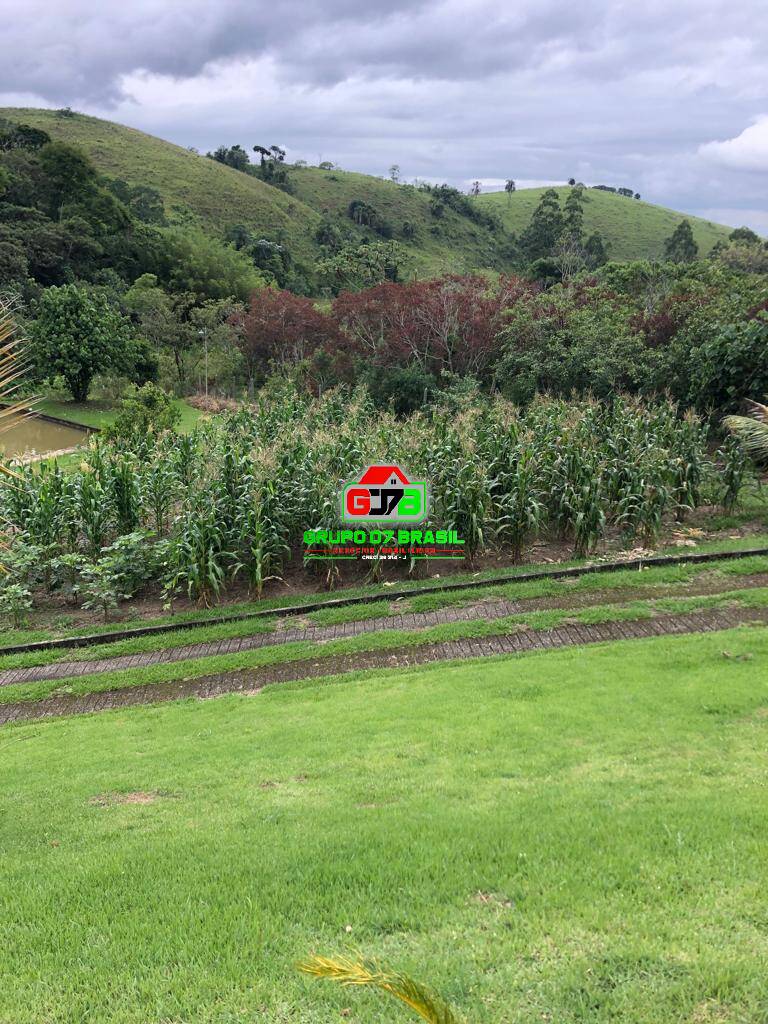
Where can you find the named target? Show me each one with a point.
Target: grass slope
(451, 244)
(574, 836)
(634, 228)
(216, 197)
(193, 188)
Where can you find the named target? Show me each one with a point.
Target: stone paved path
(486, 610)
(253, 680)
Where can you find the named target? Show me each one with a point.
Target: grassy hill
(451, 243)
(194, 188)
(635, 229)
(202, 191)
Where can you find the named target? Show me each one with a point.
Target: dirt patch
(138, 797)
(710, 1012)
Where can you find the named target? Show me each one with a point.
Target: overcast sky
(668, 97)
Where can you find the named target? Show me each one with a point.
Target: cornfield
(232, 500)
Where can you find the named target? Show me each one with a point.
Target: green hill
(193, 187)
(635, 229)
(196, 189)
(451, 242)
(216, 197)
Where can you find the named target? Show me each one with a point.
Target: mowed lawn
(580, 835)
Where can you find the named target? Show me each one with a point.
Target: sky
(667, 97)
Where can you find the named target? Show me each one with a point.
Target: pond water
(21, 435)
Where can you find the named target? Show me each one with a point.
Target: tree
(361, 266)
(279, 331)
(571, 181)
(68, 174)
(193, 262)
(394, 173)
(545, 228)
(509, 187)
(272, 166)
(680, 247)
(181, 326)
(446, 324)
(76, 335)
(233, 156)
(574, 215)
(595, 251)
(744, 235)
(22, 136)
(732, 365)
(475, 190)
(143, 411)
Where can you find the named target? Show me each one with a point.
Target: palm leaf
(13, 367)
(422, 1000)
(753, 433)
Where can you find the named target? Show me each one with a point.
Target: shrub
(143, 411)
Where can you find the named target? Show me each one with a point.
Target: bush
(143, 411)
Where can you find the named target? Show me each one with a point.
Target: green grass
(452, 244)
(634, 228)
(100, 413)
(659, 579)
(140, 644)
(306, 650)
(575, 836)
(429, 592)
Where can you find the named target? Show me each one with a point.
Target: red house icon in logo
(384, 476)
(384, 494)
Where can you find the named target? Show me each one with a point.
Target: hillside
(217, 197)
(193, 188)
(634, 228)
(198, 190)
(450, 243)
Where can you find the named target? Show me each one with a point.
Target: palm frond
(426, 1003)
(753, 433)
(13, 368)
(758, 411)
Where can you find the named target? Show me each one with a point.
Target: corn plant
(734, 469)
(236, 495)
(520, 509)
(199, 557)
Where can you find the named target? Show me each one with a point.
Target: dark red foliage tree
(280, 331)
(449, 323)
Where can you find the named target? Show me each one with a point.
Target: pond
(24, 435)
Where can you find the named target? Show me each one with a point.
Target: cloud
(747, 151)
(452, 90)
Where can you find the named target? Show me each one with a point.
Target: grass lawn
(96, 413)
(572, 836)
